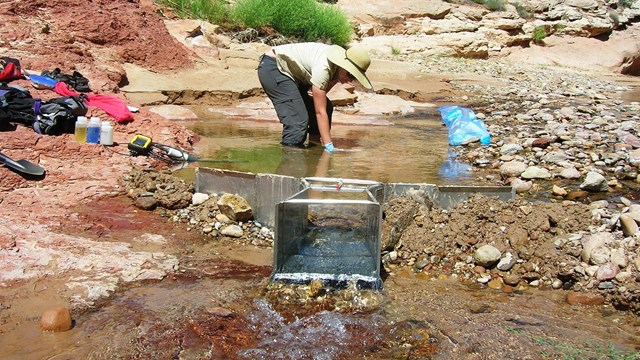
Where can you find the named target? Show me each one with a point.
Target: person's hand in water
(328, 147)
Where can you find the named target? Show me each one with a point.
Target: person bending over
(288, 73)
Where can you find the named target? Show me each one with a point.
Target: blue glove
(328, 147)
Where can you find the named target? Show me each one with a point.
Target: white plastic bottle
(106, 133)
(80, 132)
(93, 130)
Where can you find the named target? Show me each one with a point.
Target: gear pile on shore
(505, 245)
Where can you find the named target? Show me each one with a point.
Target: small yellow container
(80, 133)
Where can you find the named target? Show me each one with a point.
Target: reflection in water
(412, 151)
(452, 168)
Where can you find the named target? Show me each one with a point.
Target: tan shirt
(306, 63)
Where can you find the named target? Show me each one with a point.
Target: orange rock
(574, 298)
(496, 284)
(56, 319)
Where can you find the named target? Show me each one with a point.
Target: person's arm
(320, 106)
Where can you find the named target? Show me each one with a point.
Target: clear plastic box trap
(330, 231)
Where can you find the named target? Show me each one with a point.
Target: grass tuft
(306, 20)
(539, 34)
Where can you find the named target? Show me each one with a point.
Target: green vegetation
(588, 350)
(615, 17)
(539, 33)
(395, 51)
(214, 11)
(626, 3)
(559, 27)
(494, 5)
(523, 11)
(304, 20)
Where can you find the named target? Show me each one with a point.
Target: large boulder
(235, 207)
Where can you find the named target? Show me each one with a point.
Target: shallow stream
(217, 306)
(413, 149)
(220, 311)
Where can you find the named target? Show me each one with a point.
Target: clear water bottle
(93, 130)
(80, 132)
(106, 133)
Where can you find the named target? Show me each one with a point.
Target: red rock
(578, 298)
(541, 142)
(479, 269)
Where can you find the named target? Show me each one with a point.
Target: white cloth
(306, 63)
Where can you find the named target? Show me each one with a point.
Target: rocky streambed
(568, 141)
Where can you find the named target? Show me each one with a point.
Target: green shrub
(306, 20)
(539, 33)
(329, 24)
(626, 3)
(523, 11)
(253, 14)
(214, 11)
(559, 28)
(495, 5)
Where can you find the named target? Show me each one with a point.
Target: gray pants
(292, 103)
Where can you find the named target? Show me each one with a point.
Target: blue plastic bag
(42, 82)
(463, 125)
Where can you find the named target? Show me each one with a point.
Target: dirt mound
(536, 244)
(518, 226)
(93, 37)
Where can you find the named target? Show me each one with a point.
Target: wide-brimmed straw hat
(355, 60)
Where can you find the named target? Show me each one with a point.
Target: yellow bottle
(80, 133)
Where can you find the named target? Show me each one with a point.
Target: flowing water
(223, 313)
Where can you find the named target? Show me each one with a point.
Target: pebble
(199, 198)
(232, 230)
(511, 279)
(607, 271)
(486, 255)
(506, 262)
(495, 283)
(628, 225)
(146, 203)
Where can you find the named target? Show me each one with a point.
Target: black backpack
(76, 80)
(16, 105)
(58, 116)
